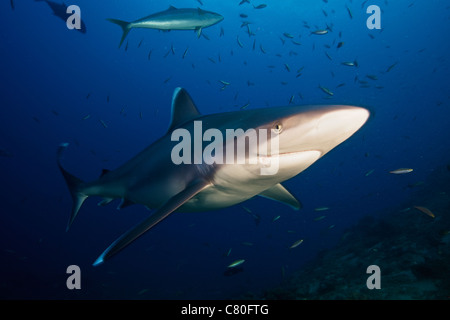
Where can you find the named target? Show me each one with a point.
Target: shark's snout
(332, 125)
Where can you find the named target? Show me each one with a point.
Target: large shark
(172, 19)
(157, 179)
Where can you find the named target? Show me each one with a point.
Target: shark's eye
(277, 128)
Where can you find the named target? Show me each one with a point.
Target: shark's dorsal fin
(172, 8)
(280, 194)
(200, 11)
(183, 109)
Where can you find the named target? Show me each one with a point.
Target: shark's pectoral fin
(198, 31)
(162, 212)
(280, 194)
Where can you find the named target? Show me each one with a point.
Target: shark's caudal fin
(74, 185)
(125, 28)
(162, 212)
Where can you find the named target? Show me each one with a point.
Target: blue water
(52, 78)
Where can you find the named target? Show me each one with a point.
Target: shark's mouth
(289, 154)
(288, 161)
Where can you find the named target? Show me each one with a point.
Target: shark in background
(151, 178)
(172, 19)
(60, 11)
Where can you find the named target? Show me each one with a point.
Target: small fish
(391, 66)
(322, 209)
(245, 106)
(247, 209)
(339, 44)
(401, 171)
(239, 42)
(185, 52)
(349, 63)
(320, 32)
(86, 117)
(228, 252)
(326, 90)
(12, 4)
(349, 12)
(243, 15)
(372, 77)
(246, 243)
(103, 123)
(288, 35)
(276, 218)
(287, 67)
(328, 56)
(425, 210)
(225, 83)
(244, 1)
(261, 6)
(149, 54)
(262, 49)
(291, 99)
(368, 173)
(319, 218)
(296, 244)
(236, 263)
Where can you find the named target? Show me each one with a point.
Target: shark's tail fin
(74, 185)
(125, 28)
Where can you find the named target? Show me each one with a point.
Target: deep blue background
(47, 72)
